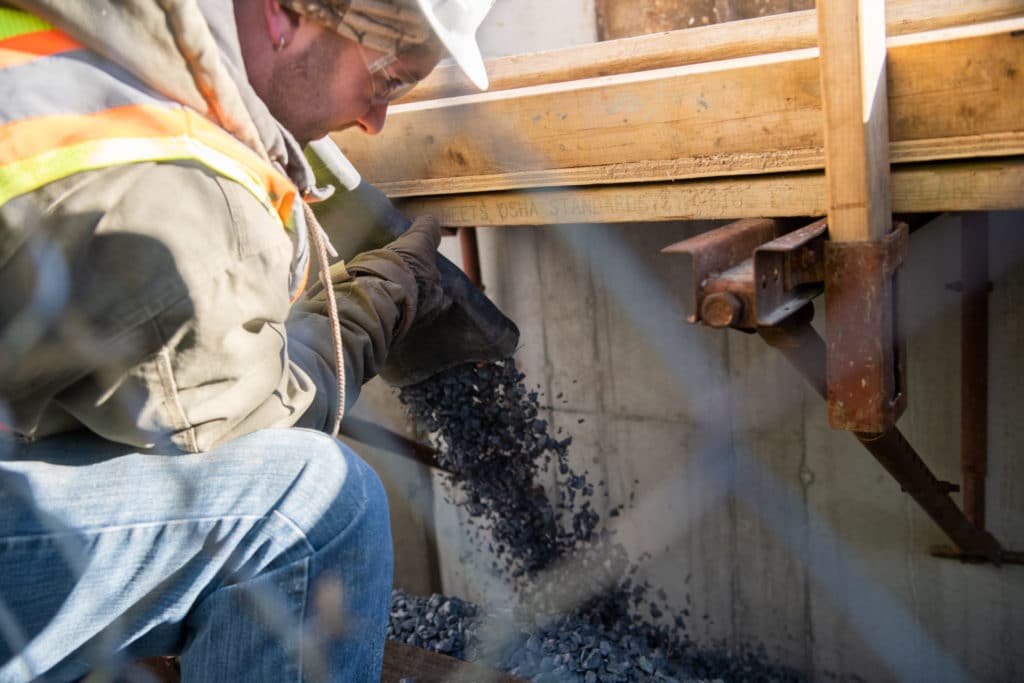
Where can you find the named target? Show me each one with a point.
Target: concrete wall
(751, 510)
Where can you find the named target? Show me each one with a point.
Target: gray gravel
(442, 624)
(491, 439)
(579, 615)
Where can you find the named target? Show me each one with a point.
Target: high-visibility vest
(66, 109)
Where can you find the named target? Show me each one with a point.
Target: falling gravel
(493, 444)
(578, 614)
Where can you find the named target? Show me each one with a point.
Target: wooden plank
(785, 195)
(405, 661)
(918, 188)
(753, 115)
(745, 38)
(855, 100)
(974, 186)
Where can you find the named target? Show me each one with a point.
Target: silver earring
(280, 43)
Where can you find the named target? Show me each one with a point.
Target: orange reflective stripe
(42, 148)
(30, 46)
(27, 138)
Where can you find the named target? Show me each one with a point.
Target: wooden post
(851, 36)
(865, 391)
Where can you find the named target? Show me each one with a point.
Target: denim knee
(335, 491)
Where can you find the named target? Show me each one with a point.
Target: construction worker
(169, 381)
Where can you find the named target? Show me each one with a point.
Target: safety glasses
(395, 75)
(391, 80)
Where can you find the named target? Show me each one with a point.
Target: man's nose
(373, 120)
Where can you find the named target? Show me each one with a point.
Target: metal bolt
(721, 309)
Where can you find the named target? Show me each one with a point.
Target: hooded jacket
(150, 301)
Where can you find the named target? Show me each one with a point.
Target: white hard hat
(455, 22)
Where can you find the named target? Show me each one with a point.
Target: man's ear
(281, 23)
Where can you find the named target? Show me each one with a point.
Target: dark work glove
(464, 326)
(467, 328)
(414, 254)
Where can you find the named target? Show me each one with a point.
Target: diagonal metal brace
(805, 349)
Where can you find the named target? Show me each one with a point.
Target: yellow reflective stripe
(32, 136)
(28, 174)
(15, 22)
(38, 150)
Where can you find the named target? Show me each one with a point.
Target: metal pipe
(805, 349)
(974, 363)
(386, 439)
(470, 256)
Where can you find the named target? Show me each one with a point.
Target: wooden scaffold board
(746, 133)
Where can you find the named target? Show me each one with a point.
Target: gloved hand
(417, 249)
(467, 328)
(409, 261)
(464, 327)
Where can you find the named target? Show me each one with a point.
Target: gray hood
(186, 50)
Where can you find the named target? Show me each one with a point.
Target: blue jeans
(267, 559)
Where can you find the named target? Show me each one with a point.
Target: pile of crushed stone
(602, 641)
(578, 614)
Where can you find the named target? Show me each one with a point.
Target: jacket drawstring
(317, 235)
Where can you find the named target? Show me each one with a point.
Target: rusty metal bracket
(866, 351)
(789, 272)
(712, 255)
(719, 254)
